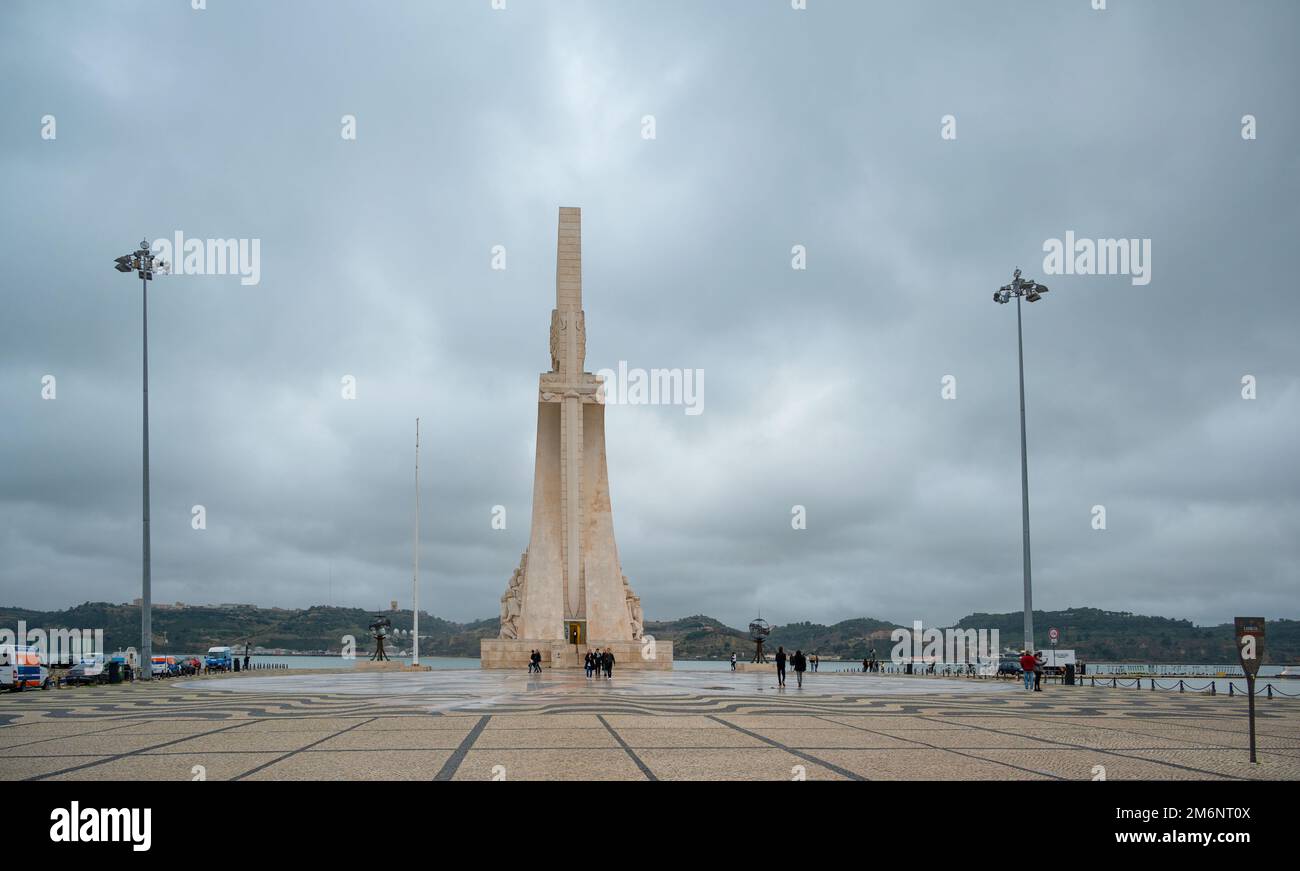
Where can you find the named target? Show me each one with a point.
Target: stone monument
(569, 592)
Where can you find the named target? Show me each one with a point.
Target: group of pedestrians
(598, 661)
(869, 662)
(797, 661)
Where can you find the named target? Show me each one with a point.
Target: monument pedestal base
(512, 653)
(388, 665)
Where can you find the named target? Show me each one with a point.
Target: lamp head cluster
(1031, 290)
(142, 262)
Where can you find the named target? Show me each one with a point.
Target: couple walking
(1031, 666)
(798, 662)
(597, 661)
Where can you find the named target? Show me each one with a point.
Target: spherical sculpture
(758, 631)
(379, 631)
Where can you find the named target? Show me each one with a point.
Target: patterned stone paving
(472, 725)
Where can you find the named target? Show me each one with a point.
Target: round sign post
(1053, 634)
(1250, 651)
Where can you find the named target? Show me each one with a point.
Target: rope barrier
(1268, 690)
(1210, 687)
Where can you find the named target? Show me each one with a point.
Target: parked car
(21, 668)
(86, 672)
(1009, 663)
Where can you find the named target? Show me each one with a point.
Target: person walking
(1027, 664)
(733, 662)
(608, 662)
(800, 663)
(780, 666)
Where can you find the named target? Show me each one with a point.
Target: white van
(1055, 661)
(21, 667)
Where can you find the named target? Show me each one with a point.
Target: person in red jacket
(1027, 665)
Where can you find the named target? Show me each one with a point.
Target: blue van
(219, 659)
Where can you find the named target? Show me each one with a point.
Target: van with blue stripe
(21, 668)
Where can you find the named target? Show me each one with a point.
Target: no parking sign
(1250, 643)
(1250, 650)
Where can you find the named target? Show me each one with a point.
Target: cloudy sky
(772, 128)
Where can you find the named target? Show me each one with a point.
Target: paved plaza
(481, 725)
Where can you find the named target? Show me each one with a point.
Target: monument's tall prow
(569, 593)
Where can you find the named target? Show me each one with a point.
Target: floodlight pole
(146, 594)
(1024, 489)
(1023, 287)
(143, 263)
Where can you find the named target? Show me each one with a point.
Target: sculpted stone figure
(634, 616)
(512, 601)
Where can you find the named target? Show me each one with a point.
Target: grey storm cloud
(774, 127)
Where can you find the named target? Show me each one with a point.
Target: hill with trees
(1097, 635)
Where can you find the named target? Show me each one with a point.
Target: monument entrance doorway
(576, 630)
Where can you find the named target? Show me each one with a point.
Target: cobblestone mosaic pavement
(472, 725)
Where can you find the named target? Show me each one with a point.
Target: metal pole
(1024, 488)
(415, 581)
(146, 621)
(1250, 691)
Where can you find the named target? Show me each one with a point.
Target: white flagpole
(415, 580)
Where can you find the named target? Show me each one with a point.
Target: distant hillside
(195, 629)
(1097, 635)
(706, 638)
(1118, 636)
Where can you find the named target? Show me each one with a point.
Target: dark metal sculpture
(758, 631)
(379, 631)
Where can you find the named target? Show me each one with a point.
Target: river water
(1166, 676)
